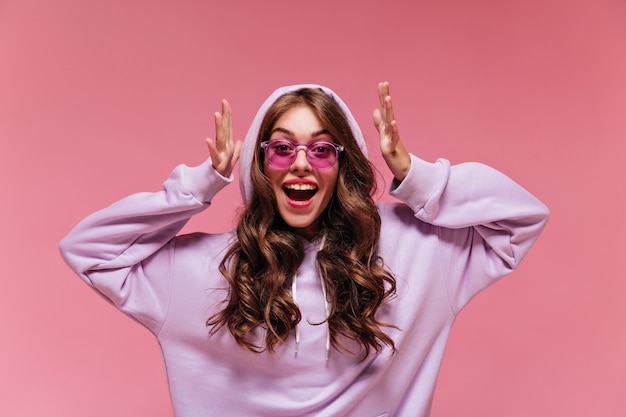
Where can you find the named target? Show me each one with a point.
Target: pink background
(99, 99)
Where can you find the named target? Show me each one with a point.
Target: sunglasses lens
(322, 155)
(280, 153)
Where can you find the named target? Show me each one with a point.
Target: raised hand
(391, 147)
(223, 149)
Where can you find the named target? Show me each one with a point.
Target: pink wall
(100, 99)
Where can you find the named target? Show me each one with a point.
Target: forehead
(298, 118)
(299, 124)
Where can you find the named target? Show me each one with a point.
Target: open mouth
(300, 192)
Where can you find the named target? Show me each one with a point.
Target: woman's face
(302, 191)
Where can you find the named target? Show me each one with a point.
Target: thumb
(237, 152)
(378, 118)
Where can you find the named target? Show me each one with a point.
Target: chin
(307, 228)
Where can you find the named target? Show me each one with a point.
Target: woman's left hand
(391, 147)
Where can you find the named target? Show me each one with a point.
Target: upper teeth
(300, 187)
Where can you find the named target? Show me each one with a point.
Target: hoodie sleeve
(485, 221)
(125, 250)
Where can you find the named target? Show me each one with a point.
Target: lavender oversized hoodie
(459, 229)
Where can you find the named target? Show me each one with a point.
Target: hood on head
(249, 143)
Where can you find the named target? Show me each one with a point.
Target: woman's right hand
(224, 150)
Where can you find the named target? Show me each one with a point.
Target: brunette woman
(321, 302)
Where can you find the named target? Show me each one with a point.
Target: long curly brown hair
(261, 264)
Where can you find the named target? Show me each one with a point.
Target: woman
(320, 303)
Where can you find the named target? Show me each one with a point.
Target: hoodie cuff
(203, 182)
(424, 182)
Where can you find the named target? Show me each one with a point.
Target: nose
(301, 163)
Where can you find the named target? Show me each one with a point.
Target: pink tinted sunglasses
(282, 153)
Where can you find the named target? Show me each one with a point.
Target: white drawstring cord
(294, 295)
(327, 314)
(326, 306)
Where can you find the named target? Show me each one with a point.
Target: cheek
(272, 175)
(330, 179)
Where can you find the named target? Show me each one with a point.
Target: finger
(227, 124)
(389, 115)
(378, 118)
(219, 131)
(237, 152)
(226, 116)
(380, 94)
(212, 148)
(394, 131)
(383, 91)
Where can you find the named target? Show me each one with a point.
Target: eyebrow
(290, 133)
